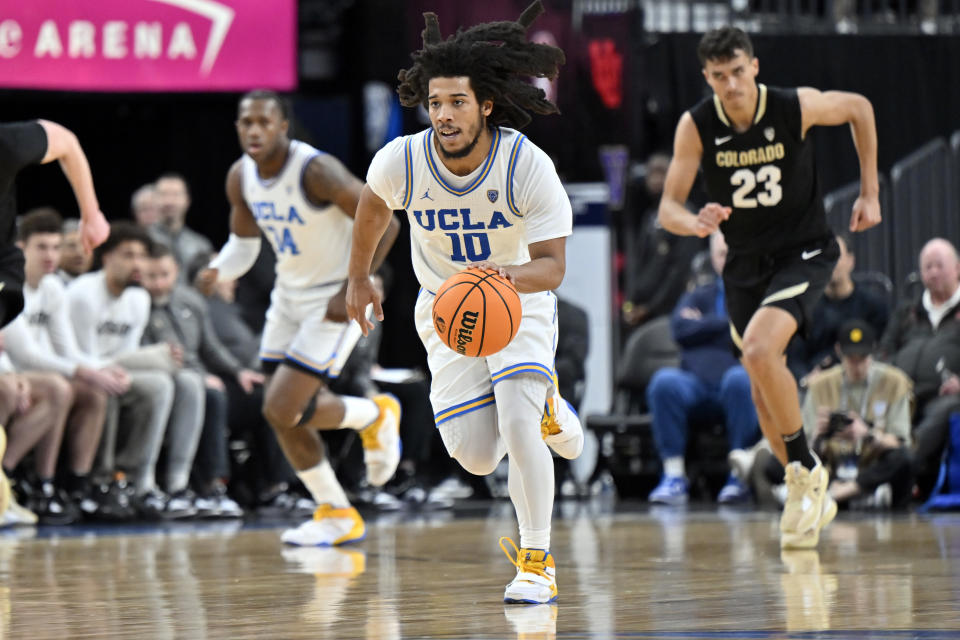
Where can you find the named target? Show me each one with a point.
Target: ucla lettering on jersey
(456, 220)
(312, 243)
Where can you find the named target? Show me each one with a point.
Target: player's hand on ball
(486, 265)
(866, 213)
(710, 217)
(360, 293)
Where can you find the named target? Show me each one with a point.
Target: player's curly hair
(498, 59)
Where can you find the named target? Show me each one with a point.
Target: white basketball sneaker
(536, 579)
(381, 441)
(328, 527)
(808, 507)
(561, 428)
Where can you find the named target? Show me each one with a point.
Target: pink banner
(148, 45)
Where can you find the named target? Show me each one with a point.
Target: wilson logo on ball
(468, 322)
(476, 313)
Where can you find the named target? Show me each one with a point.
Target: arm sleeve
(21, 144)
(387, 175)
(540, 196)
(236, 257)
(28, 355)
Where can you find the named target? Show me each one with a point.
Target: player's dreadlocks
(498, 59)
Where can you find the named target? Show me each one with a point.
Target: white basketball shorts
(462, 384)
(297, 334)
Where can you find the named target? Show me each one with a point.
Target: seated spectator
(110, 313)
(173, 201)
(41, 339)
(709, 385)
(274, 475)
(74, 261)
(33, 411)
(923, 339)
(143, 206)
(841, 301)
(857, 414)
(179, 315)
(657, 262)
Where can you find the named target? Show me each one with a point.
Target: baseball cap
(856, 338)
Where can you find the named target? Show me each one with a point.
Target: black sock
(798, 450)
(75, 482)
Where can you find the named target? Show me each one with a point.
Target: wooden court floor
(624, 572)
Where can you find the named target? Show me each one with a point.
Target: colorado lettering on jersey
(464, 247)
(110, 327)
(760, 155)
(282, 239)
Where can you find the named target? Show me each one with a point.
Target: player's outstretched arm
(830, 108)
(672, 214)
(242, 248)
(373, 218)
(63, 146)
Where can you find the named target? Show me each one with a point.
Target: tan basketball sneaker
(808, 508)
(560, 427)
(328, 527)
(536, 579)
(381, 441)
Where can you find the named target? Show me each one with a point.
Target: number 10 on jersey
(469, 247)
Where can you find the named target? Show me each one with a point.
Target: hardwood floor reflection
(628, 573)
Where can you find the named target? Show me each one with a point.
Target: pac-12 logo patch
(769, 133)
(492, 195)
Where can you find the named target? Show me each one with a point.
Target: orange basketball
(476, 313)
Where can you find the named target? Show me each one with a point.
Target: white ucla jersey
(513, 199)
(312, 243)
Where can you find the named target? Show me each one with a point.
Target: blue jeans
(676, 396)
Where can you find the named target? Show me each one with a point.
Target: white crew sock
(358, 413)
(323, 485)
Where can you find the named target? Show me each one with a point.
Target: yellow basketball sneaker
(560, 427)
(328, 527)
(808, 508)
(536, 579)
(381, 441)
(4, 483)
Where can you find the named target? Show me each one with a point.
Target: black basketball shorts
(792, 280)
(11, 283)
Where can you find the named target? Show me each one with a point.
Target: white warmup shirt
(107, 327)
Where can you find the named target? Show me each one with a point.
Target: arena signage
(148, 45)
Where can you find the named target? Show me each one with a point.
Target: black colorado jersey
(767, 174)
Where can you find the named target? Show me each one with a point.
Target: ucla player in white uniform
(478, 193)
(304, 201)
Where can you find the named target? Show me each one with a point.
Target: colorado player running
(478, 192)
(304, 202)
(753, 145)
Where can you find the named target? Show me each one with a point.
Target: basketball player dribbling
(304, 201)
(758, 165)
(479, 193)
